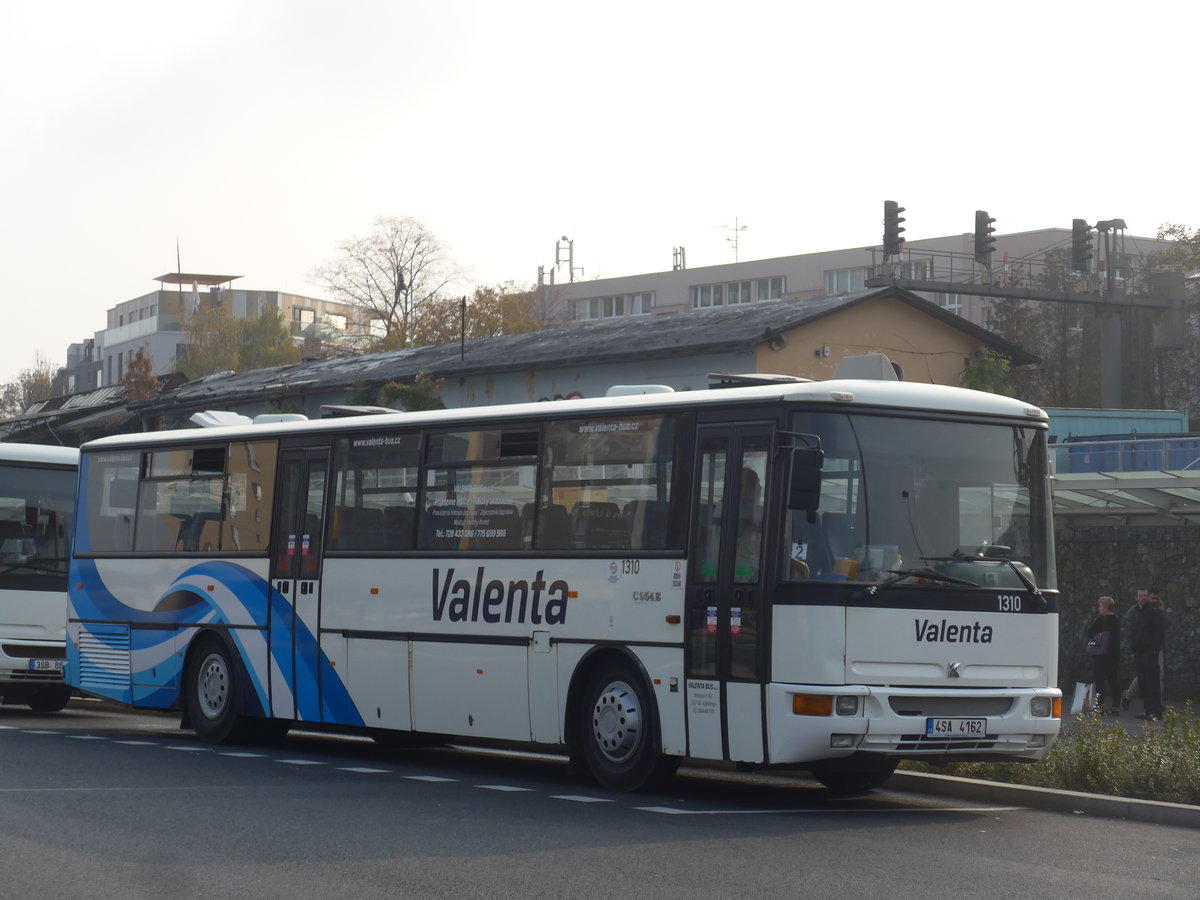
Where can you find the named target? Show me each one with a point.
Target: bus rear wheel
(210, 692)
(617, 732)
(854, 776)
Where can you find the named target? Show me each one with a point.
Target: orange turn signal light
(812, 705)
(1056, 708)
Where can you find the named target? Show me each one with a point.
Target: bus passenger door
(725, 605)
(296, 581)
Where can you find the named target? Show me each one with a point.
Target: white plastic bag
(1081, 700)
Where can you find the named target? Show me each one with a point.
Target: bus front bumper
(911, 723)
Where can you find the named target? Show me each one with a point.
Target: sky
(258, 135)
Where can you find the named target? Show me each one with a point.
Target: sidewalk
(1103, 805)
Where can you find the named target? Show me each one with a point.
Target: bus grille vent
(104, 659)
(950, 706)
(930, 744)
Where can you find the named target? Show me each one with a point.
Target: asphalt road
(95, 803)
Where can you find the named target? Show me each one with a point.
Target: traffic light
(1081, 245)
(891, 228)
(984, 242)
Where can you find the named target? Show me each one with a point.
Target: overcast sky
(260, 134)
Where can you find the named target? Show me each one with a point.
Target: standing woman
(1105, 653)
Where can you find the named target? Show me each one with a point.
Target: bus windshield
(35, 524)
(967, 499)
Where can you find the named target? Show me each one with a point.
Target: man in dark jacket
(1146, 639)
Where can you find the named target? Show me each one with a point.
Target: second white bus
(37, 501)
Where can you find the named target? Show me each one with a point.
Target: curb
(1155, 812)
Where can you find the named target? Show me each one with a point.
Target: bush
(1100, 757)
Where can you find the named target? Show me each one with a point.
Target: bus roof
(840, 393)
(38, 453)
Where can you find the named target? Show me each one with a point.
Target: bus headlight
(1041, 706)
(846, 706)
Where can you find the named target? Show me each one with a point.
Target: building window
(768, 288)
(841, 281)
(733, 292)
(302, 318)
(737, 292)
(707, 295)
(120, 366)
(951, 303)
(336, 320)
(614, 306)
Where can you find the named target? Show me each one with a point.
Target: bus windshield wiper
(1029, 585)
(54, 566)
(925, 572)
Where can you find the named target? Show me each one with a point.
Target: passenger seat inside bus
(598, 525)
(646, 523)
(553, 526)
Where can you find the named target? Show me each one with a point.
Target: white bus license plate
(46, 665)
(955, 727)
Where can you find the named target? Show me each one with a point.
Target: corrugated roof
(589, 343)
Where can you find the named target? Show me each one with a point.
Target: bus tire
(211, 693)
(618, 730)
(854, 776)
(48, 700)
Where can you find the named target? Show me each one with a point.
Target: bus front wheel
(211, 691)
(47, 700)
(618, 731)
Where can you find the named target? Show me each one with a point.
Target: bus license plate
(955, 727)
(46, 665)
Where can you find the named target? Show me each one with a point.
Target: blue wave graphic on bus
(219, 593)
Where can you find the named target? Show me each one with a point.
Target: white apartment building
(1017, 256)
(155, 323)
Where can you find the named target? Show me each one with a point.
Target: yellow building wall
(926, 349)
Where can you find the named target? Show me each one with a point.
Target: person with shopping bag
(1104, 647)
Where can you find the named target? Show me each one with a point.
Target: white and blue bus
(830, 575)
(37, 502)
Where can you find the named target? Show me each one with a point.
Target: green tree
(1062, 334)
(139, 377)
(424, 393)
(394, 274)
(29, 387)
(988, 371)
(490, 312)
(218, 342)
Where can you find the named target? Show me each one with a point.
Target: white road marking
(675, 811)
(300, 762)
(502, 787)
(579, 798)
(430, 778)
(363, 770)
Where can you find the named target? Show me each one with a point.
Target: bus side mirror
(804, 482)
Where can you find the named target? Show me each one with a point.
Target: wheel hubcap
(617, 722)
(213, 686)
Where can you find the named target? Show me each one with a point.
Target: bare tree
(392, 274)
(30, 386)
